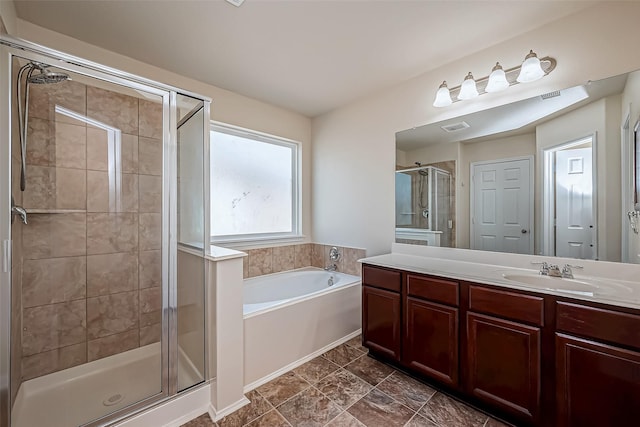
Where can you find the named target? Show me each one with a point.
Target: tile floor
(346, 388)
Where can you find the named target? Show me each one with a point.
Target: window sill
(256, 243)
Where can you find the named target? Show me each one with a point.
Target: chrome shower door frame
(10, 47)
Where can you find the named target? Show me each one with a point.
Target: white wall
(227, 107)
(354, 146)
(630, 104)
(8, 15)
(601, 118)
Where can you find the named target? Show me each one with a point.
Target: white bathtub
(290, 317)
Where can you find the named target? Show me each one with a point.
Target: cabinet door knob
(523, 231)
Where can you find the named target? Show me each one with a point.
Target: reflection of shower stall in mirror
(102, 306)
(423, 206)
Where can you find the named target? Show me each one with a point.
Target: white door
(575, 228)
(502, 206)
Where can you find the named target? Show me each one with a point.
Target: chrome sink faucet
(547, 269)
(567, 272)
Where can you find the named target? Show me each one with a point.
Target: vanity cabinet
(381, 314)
(597, 366)
(533, 359)
(430, 344)
(504, 350)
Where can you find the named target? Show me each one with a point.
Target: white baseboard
(218, 415)
(301, 361)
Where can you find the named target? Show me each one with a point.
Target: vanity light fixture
(443, 96)
(531, 69)
(468, 90)
(497, 80)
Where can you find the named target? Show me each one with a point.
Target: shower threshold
(81, 394)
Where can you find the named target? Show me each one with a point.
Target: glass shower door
(193, 119)
(87, 274)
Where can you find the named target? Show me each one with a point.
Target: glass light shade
(497, 80)
(468, 90)
(443, 96)
(531, 70)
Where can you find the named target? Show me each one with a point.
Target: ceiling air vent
(454, 127)
(236, 3)
(550, 95)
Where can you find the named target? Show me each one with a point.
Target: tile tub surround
(346, 388)
(91, 261)
(282, 258)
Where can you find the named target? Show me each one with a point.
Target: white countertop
(623, 293)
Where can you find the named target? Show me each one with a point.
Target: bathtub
(291, 317)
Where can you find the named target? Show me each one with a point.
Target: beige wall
(602, 119)
(8, 15)
(227, 107)
(501, 148)
(355, 145)
(631, 106)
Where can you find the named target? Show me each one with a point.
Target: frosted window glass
(252, 186)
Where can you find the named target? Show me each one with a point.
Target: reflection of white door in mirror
(502, 206)
(574, 196)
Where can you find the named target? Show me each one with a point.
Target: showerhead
(46, 77)
(423, 172)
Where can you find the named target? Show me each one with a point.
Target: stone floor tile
(492, 422)
(316, 369)
(202, 421)
(356, 342)
(420, 421)
(344, 388)
(309, 408)
(406, 390)
(445, 411)
(377, 409)
(369, 369)
(282, 388)
(342, 354)
(273, 418)
(258, 406)
(345, 420)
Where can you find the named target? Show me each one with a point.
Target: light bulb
(497, 80)
(468, 90)
(443, 96)
(531, 70)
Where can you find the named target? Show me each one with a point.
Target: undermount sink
(589, 287)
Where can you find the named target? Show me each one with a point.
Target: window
(254, 186)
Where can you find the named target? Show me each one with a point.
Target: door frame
(472, 165)
(547, 231)
(627, 156)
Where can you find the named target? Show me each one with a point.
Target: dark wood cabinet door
(503, 362)
(597, 384)
(431, 340)
(381, 322)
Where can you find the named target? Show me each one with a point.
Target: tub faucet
(331, 267)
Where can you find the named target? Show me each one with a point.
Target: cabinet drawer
(598, 323)
(381, 278)
(525, 308)
(438, 290)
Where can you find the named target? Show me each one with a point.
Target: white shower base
(78, 395)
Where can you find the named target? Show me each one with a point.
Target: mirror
(551, 175)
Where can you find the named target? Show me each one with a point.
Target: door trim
(472, 165)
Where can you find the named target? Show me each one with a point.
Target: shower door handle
(18, 210)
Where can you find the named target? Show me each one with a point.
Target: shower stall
(102, 221)
(423, 206)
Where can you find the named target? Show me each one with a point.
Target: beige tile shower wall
(91, 274)
(282, 258)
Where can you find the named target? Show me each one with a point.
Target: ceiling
(309, 56)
